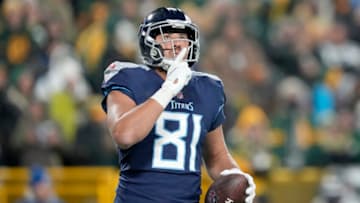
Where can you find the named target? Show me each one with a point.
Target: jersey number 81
(176, 138)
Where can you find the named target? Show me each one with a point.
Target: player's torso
(173, 147)
(174, 144)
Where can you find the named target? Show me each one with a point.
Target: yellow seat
(73, 184)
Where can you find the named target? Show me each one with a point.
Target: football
(227, 189)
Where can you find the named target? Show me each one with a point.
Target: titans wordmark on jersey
(165, 166)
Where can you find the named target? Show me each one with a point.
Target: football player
(166, 118)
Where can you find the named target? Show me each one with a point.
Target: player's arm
(216, 155)
(219, 161)
(128, 123)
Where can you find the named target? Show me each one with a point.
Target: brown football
(227, 189)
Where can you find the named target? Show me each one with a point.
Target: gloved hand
(178, 75)
(250, 191)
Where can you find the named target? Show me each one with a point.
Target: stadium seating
(72, 184)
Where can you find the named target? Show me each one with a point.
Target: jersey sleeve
(118, 77)
(221, 99)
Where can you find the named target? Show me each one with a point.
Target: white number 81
(175, 138)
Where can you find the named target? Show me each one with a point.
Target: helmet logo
(153, 53)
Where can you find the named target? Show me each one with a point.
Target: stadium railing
(98, 184)
(72, 184)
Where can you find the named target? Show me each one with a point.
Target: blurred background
(291, 70)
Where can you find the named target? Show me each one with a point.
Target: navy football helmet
(166, 20)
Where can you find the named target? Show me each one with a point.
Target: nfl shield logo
(180, 95)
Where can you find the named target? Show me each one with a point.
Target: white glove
(250, 191)
(178, 75)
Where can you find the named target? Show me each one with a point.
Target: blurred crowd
(291, 70)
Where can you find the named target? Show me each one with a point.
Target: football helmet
(166, 20)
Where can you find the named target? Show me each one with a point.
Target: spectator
(37, 140)
(40, 188)
(9, 115)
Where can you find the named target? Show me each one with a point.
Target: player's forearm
(134, 125)
(216, 155)
(223, 161)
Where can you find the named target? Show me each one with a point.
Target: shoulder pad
(116, 66)
(202, 74)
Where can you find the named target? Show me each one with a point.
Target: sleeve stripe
(119, 88)
(122, 89)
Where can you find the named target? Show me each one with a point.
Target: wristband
(163, 96)
(231, 171)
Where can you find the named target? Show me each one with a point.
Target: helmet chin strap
(166, 63)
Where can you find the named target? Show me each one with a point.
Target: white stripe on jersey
(116, 66)
(197, 73)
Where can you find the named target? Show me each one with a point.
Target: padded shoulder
(117, 66)
(212, 79)
(208, 75)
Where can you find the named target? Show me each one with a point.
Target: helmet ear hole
(155, 53)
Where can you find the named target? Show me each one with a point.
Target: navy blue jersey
(166, 166)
